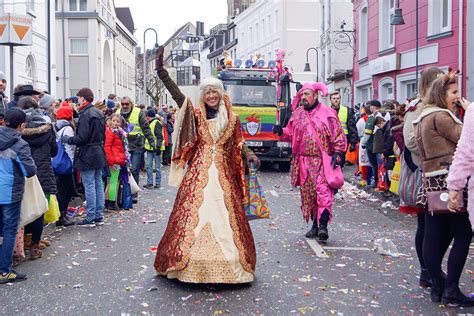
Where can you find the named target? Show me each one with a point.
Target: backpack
(62, 164)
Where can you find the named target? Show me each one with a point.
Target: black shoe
(86, 223)
(425, 279)
(64, 222)
(313, 232)
(157, 186)
(99, 221)
(113, 207)
(437, 289)
(148, 186)
(134, 201)
(323, 233)
(12, 277)
(453, 297)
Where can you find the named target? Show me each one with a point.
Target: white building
(337, 47)
(31, 64)
(125, 63)
(90, 49)
(270, 25)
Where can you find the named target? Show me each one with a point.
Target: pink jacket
(463, 163)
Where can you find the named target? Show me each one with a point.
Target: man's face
(336, 101)
(126, 105)
(3, 85)
(36, 97)
(308, 97)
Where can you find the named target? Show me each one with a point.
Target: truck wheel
(284, 166)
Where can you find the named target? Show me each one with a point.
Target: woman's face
(212, 98)
(452, 96)
(115, 122)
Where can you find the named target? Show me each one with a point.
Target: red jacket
(113, 147)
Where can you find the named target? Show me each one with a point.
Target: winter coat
(16, 163)
(89, 139)
(42, 141)
(438, 131)
(462, 167)
(114, 149)
(387, 140)
(352, 136)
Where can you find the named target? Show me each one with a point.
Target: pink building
(385, 56)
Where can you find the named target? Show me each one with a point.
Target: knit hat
(110, 104)
(46, 101)
(314, 86)
(72, 99)
(87, 94)
(15, 117)
(151, 113)
(64, 113)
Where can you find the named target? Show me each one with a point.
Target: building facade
(89, 40)
(271, 25)
(385, 57)
(336, 48)
(32, 64)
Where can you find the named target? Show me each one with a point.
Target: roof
(175, 34)
(190, 62)
(125, 16)
(186, 46)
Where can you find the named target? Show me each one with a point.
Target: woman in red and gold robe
(208, 238)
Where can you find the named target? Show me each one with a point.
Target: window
(363, 93)
(263, 28)
(410, 90)
(386, 30)
(257, 38)
(269, 21)
(277, 27)
(79, 46)
(78, 5)
(386, 88)
(363, 32)
(30, 70)
(250, 36)
(439, 16)
(30, 5)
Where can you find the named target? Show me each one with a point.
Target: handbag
(52, 214)
(255, 205)
(395, 178)
(61, 163)
(34, 204)
(409, 185)
(438, 202)
(133, 184)
(334, 176)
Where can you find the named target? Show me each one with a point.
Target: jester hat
(315, 86)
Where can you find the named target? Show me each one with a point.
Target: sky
(166, 16)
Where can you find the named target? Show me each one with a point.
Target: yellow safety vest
(343, 116)
(134, 119)
(147, 144)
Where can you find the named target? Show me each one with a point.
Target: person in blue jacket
(16, 163)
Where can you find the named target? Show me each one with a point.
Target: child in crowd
(16, 163)
(118, 158)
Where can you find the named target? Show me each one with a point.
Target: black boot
(425, 278)
(323, 234)
(437, 289)
(313, 232)
(64, 221)
(453, 297)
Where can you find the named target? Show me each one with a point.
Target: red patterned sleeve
(338, 138)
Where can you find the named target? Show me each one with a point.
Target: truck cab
(254, 99)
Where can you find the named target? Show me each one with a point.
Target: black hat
(375, 103)
(15, 117)
(26, 89)
(151, 113)
(86, 93)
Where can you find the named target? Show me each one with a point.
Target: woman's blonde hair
(436, 94)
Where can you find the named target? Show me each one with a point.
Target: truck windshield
(252, 95)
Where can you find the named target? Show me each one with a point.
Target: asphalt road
(109, 269)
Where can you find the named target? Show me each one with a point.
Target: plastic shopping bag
(52, 214)
(34, 203)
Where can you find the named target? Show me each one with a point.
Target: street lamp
(144, 59)
(397, 19)
(307, 68)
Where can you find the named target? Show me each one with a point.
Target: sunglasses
(125, 103)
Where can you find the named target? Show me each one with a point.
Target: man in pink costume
(311, 119)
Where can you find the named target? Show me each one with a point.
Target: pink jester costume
(307, 123)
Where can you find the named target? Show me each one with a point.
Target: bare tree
(154, 86)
